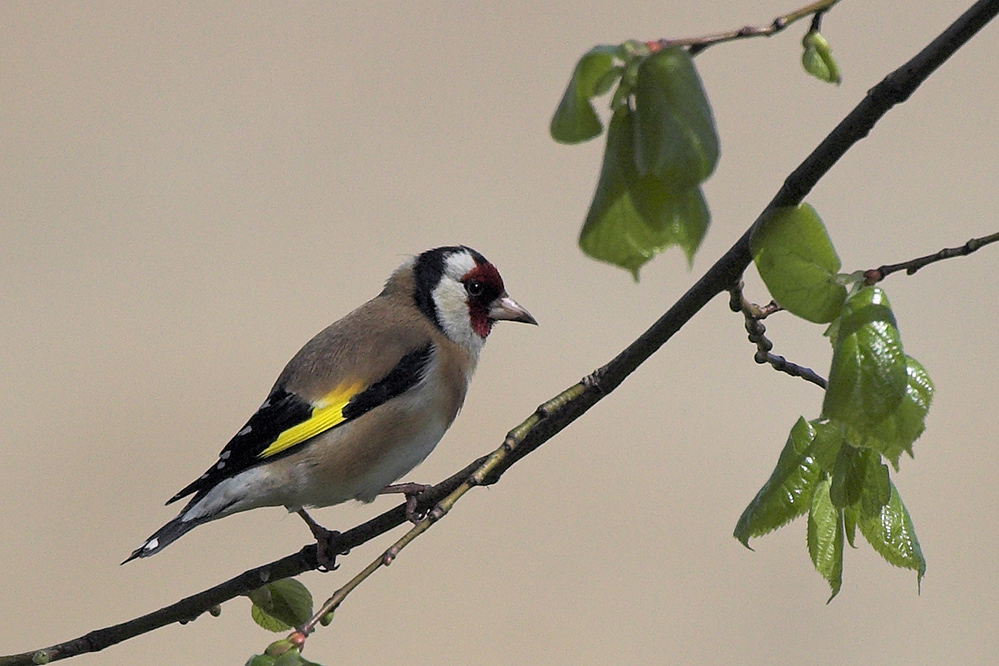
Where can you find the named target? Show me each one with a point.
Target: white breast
(421, 403)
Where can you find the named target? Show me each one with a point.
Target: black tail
(164, 536)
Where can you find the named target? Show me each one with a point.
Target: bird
(362, 403)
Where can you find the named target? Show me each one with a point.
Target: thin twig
(816, 25)
(697, 44)
(513, 439)
(754, 314)
(894, 89)
(875, 275)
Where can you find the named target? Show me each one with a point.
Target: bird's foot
(412, 491)
(327, 543)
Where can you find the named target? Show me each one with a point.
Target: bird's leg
(412, 491)
(326, 542)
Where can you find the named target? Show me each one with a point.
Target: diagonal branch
(892, 90)
(559, 412)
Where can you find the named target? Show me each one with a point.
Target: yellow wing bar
(327, 413)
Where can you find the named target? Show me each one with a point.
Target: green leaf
(575, 120)
(891, 534)
(850, 525)
(293, 657)
(279, 647)
(876, 491)
(787, 494)
(607, 81)
(633, 218)
(615, 230)
(849, 476)
(289, 658)
(829, 438)
(676, 139)
(281, 605)
(267, 621)
(817, 59)
(798, 263)
(859, 480)
(825, 537)
(260, 660)
(868, 378)
(904, 426)
(688, 221)
(676, 218)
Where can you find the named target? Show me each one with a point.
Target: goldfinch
(363, 402)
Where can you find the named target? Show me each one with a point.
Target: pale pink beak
(507, 309)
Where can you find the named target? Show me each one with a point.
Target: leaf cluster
(832, 467)
(281, 606)
(661, 145)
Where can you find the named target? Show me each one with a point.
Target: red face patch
(486, 274)
(483, 285)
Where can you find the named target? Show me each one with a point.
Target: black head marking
(427, 272)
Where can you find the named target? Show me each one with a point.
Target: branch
(575, 401)
(910, 267)
(892, 90)
(191, 607)
(698, 44)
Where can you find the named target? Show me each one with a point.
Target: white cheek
(452, 310)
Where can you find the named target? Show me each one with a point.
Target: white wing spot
(220, 465)
(225, 454)
(204, 476)
(151, 544)
(244, 431)
(265, 404)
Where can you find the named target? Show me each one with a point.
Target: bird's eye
(474, 288)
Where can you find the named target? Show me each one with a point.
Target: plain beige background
(190, 192)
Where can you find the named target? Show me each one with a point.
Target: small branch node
(873, 276)
(773, 307)
(753, 314)
(592, 380)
